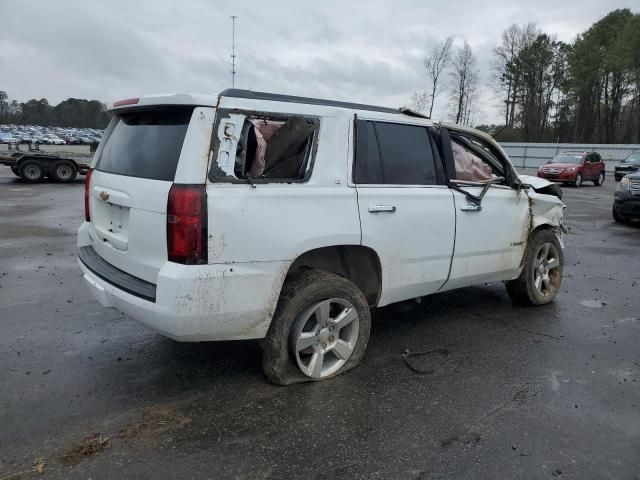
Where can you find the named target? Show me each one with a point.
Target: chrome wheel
(324, 336)
(546, 273)
(64, 172)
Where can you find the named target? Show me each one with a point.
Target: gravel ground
(526, 392)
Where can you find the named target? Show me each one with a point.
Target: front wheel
(578, 181)
(541, 275)
(600, 180)
(31, 171)
(320, 329)
(618, 177)
(618, 217)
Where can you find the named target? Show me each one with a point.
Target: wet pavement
(547, 392)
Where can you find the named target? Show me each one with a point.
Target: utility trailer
(34, 167)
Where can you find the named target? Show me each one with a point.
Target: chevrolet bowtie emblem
(104, 196)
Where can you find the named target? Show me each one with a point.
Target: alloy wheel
(546, 270)
(324, 336)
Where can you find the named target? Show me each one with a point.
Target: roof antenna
(233, 50)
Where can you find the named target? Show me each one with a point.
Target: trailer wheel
(63, 171)
(31, 171)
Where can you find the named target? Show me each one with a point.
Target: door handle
(382, 208)
(471, 208)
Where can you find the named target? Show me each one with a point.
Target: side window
(393, 154)
(475, 159)
(253, 146)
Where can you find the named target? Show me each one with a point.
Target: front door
(491, 234)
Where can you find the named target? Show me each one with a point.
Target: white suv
(259, 216)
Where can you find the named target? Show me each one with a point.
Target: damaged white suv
(258, 216)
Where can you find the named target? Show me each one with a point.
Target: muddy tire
(541, 276)
(31, 171)
(320, 329)
(600, 180)
(63, 172)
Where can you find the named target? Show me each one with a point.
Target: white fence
(535, 154)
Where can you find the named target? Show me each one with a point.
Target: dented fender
(547, 210)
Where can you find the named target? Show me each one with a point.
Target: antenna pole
(233, 50)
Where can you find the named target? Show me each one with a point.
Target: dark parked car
(629, 165)
(626, 200)
(574, 168)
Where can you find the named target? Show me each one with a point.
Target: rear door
(491, 233)
(143, 152)
(406, 210)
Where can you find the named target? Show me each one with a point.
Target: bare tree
(464, 84)
(508, 78)
(418, 101)
(435, 63)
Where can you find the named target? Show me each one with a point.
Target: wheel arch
(357, 263)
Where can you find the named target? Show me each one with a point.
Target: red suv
(574, 168)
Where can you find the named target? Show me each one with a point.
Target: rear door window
(146, 143)
(394, 154)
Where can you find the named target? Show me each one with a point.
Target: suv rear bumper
(201, 302)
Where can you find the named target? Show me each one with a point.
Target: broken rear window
(264, 147)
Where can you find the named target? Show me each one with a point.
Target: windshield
(634, 158)
(146, 143)
(567, 158)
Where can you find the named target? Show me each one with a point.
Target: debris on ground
(89, 446)
(592, 303)
(155, 420)
(38, 467)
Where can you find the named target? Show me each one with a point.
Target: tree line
(587, 91)
(73, 112)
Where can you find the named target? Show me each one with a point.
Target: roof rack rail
(274, 97)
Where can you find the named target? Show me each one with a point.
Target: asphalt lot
(527, 393)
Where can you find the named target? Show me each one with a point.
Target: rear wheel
(578, 181)
(320, 329)
(63, 171)
(31, 171)
(541, 276)
(600, 180)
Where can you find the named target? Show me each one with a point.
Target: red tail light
(87, 194)
(187, 224)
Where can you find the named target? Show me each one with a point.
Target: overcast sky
(362, 51)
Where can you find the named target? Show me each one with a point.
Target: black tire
(578, 182)
(619, 218)
(524, 289)
(15, 171)
(600, 180)
(300, 293)
(618, 177)
(31, 171)
(63, 171)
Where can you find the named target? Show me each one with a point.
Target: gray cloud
(360, 51)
